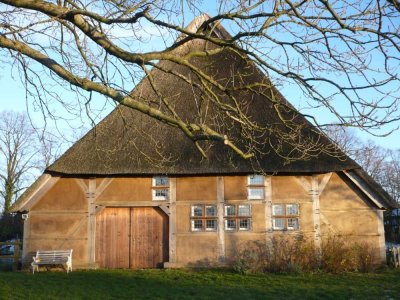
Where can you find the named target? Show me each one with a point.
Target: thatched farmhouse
(137, 193)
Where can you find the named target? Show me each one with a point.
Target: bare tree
(342, 55)
(380, 163)
(17, 153)
(389, 175)
(24, 153)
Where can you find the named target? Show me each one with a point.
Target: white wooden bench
(54, 257)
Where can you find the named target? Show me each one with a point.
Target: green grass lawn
(205, 284)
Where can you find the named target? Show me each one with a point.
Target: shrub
(280, 254)
(296, 253)
(339, 255)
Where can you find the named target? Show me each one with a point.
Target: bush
(289, 253)
(280, 254)
(339, 255)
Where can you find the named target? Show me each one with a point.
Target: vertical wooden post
(316, 211)
(220, 213)
(91, 196)
(172, 220)
(268, 208)
(381, 232)
(26, 235)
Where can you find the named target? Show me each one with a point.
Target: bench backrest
(54, 256)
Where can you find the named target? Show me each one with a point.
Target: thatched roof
(128, 142)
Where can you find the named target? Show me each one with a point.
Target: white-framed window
(278, 223)
(230, 224)
(203, 217)
(255, 180)
(160, 188)
(197, 225)
(197, 211)
(230, 210)
(285, 216)
(255, 187)
(244, 224)
(211, 224)
(211, 210)
(160, 181)
(244, 210)
(292, 223)
(237, 217)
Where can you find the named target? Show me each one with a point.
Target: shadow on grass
(209, 284)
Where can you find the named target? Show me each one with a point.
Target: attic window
(255, 187)
(160, 189)
(285, 216)
(203, 218)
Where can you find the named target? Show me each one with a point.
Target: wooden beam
(39, 193)
(172, 220)
(103, 186)
(130, 203)
(91, 197)
(220, 213)
(71, 232)
(332, 228)
(56, 238)
(304, 183)
(348, 209)
(316, 211)
(381, 232)
(82, 185)
(99, 209)
(26, 236)
(324, 182)
(57, 212)
(268, 208)
(359, 183)
(165, 209)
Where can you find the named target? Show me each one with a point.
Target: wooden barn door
(149, 240)
(112, 237)
(134, 237)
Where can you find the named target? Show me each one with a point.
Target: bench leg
(34, 266)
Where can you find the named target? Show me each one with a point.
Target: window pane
(211, 210)
(256, 180)
(160, 181)
(256, 193)
(244, 210)
(160, 194)
(293, 223)
(244, 224)
(197, 225)
(277, 210)
(230, 210)
(211, 225)
(292, 210)
(278, 223)
(197, 211)
(230, 224)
